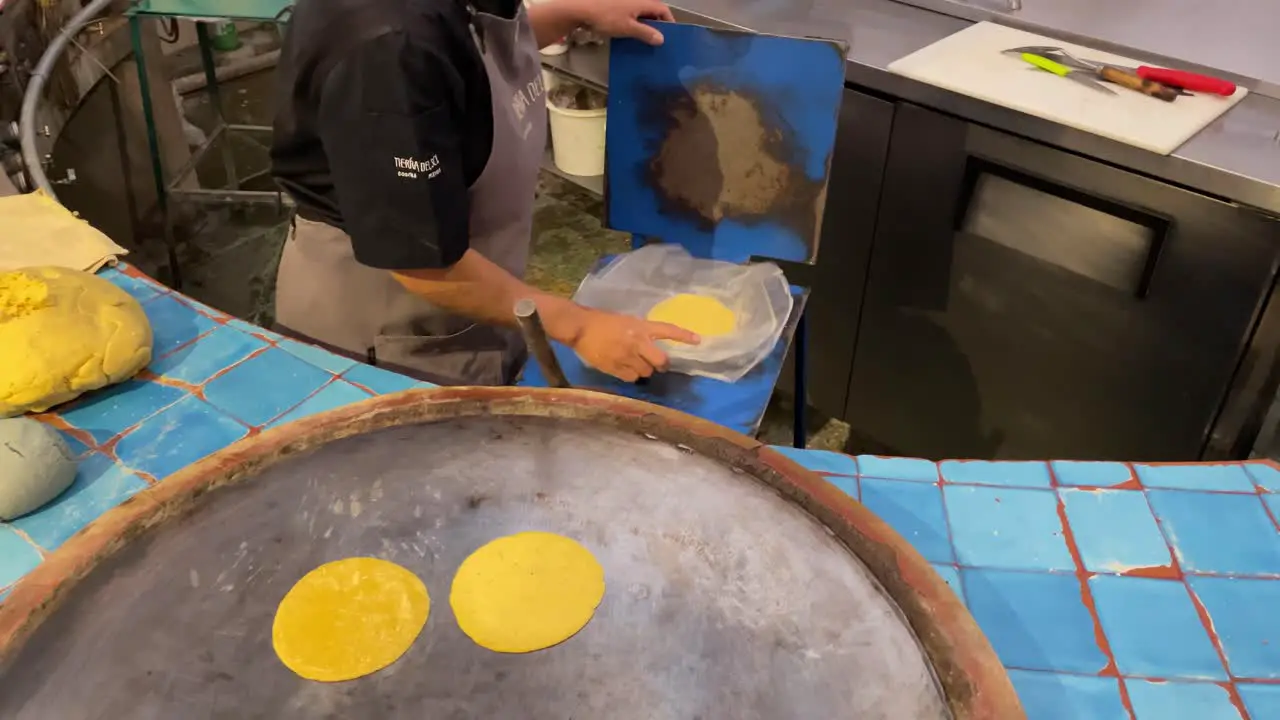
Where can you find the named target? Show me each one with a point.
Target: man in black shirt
(410, 133)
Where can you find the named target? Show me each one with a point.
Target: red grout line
(1207, 622)
(107, 448)
(1133, 484)
(362, 387)
(1025, 571)
(1233, 693)
(1086, 596)
(1164, 535)
(332, 378)
(209, 312)
(22, 534)
(263, 336)
(181, 346)
(1130, 484)
(1203, 613)
(1159, 572)
(1203, 491)
(1257, 484)
(1080, 674)
(1266, 507)
(182, 385)
(946, 520)
(1150, 678)
(233, 365)
(84, 436)
(1154, 571)
(1133, 475)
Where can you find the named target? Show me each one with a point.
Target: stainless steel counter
(1236, 158)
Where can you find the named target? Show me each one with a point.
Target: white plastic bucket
(577, 140)
(549, 80)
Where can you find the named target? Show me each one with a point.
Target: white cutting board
(970, 62)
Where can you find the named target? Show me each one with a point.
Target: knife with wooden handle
(1146, 86)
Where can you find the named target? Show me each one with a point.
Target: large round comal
(737, 585)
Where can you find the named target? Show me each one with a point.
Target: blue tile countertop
(1109, 590)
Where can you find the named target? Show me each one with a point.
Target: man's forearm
(478, 289)
(554, 19)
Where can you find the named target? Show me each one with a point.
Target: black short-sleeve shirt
(383, 121)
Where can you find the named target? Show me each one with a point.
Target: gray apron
(324, 296)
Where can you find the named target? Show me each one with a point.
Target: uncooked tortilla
(700, 314)
(349, 618)
(526, 592)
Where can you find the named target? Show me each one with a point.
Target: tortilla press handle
(535, 337)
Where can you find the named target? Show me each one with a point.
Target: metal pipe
(35, 90)
(535, 337)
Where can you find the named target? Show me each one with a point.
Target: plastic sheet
(758, 295)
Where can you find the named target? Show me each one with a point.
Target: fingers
(632, 369)
(643, 360)
(654, 10)
(645, 33)
(649, 358)
(667, 331)
(652, 355)
(625, 375)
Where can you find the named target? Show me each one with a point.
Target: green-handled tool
(1061, 70)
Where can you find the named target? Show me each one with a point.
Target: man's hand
(626, 347)
(553, 20)
(621, 18)
(620, 345)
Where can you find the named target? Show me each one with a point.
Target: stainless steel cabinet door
(1024, 302)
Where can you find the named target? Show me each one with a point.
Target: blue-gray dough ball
(36, 466)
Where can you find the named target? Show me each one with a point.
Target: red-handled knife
(1194, 82)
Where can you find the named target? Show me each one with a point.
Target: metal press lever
(535, 337)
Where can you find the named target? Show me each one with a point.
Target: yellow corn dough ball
(63, 333)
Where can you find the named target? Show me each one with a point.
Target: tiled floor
(1109, 590)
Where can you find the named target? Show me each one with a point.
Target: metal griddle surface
(723, 599)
